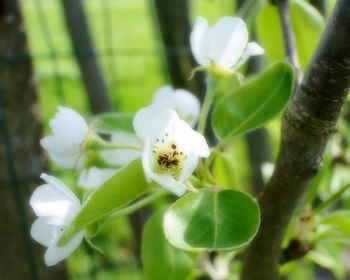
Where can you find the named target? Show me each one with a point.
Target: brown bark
(21, 159)
(308, 123)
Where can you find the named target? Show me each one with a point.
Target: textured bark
(175, 28)
(21, 158)
(86, 57)
(308, 123)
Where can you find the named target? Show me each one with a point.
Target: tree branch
(308, 123)
(288, 36)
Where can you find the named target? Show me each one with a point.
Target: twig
(288, 36)
(308, 123)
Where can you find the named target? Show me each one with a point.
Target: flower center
(168, 159)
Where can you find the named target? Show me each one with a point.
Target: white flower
(94, 177)
(223, 46)
(182, 101)
(56, 206)
(172, 148)
(69, 133)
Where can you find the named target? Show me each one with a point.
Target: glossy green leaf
(212, 220)
(255, 103)
(307, 23)
(125, 186)
(227, 85)
(113, 123)
(224, 170)
(161, 261)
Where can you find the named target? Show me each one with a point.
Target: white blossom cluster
(164, 139)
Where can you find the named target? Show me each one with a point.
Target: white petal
(55, 254)
(190, 140)
(182, 101)
(251, 50)
(59, 146)
(200, 144)
(152, 122)
(198, 41)
(189, 166)
(228, 40)
(94, 177)
(186, 105)
(163, 96)
(59, 185)
(69, 124)
(70, 162)
(147, 161)
(168, 182)
(54, 200)
(44, 232)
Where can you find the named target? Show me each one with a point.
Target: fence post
(174, 23)
(86, 57)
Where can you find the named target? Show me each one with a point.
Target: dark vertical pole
(174, 23)
(21, 158)
(87, 60)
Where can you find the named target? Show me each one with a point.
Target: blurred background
(98, 56)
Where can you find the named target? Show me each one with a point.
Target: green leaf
(212, 220)
(255, 103)
(113, 123)
(125, 186)
(227, 85)
(224, 171)
(339, 225)
(161, 261)
(307, 23)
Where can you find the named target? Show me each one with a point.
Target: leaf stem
(212, 83)
(139, 204)
(100, 144)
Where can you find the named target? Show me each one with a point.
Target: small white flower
(69, 133)
(223, 46)
(172, 148)
(182, 101)
(56, 206)
(94, 177)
